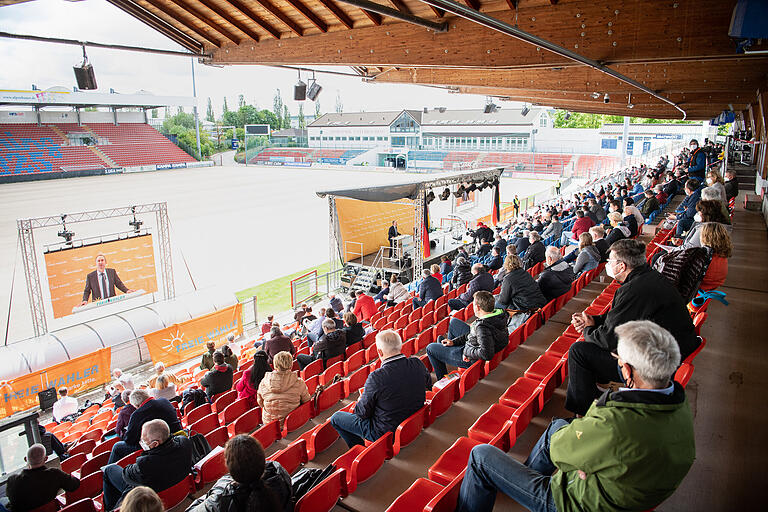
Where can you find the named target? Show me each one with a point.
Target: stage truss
(26, 228)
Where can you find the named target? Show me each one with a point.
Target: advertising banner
(132, 258)
(181, 342)
(84, 372)
(367, 222)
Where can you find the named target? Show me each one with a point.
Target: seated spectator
(650, 205)
(716, 237)
(335, 303)
(429, 289)
(229, 357)
(252, 482)
(397, 291)
(482, 251)
(52, 443)
(281, 391)
(650, 402)
(597, 211)
(644, 294)
(731, 185)
(499, 277)
(598, 240)
(266, 326)
(499, 243)
(219, 378)
(523, 242)
(661, 196)
(36, 484)
(580, 225)
(717, 182)
(163, 388)
(124, 414)
(147, 409)
(160, 370)
(277, 342)
(519, 292)
(392, 393)
(687, 210)
(462, 272)
(706, 211)
(535, 253)
(588, 257)
(332, 344)
(557, 276)
(618, 231)
(353, 330)
(495, 261)
(331, 313)
(114, 393)
(123, 378)
(64, 406)
(554, 229)
(365, 307)
(435, 269)
(248, 385)
(141, 499)
(445, 265)
(465, 344)
(712, 194)
(315, 327)
(630, 208)
(482, 280)
(165, 461)
(207, 361)
(630, 221)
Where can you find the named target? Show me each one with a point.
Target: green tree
(286, 117)
(209, 112)
(277, 108)
(339, 104)
(240, 101)
(231, 118)
(302, 121)
(225, 109)
(317, 110)
(268, 117)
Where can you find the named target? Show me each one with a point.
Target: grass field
(274, 296)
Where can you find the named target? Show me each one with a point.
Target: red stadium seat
(85, 447)
(445, 501)
(408, 348)
(293, 456)
(441, 312)
(90, 487)
(312, 384)
(299, 416)
(353, 348)
(268, 434)
(84, 505)
(424, 358)
(333, 370)
(416, 496)
(369, 339)
(540, 368)
(428, 307)
(222, 400)
(411, 330)
(371, 353)
(246, 423)
(362, 462)
(493, 363)
(401, 322)
(684, 373)
(234, 411)
(415, 315)
(319, 438)
(332, 361)
(51, 506)
(176, 494)
(490, 423)
(426, 321)
(354, 361)
(470, 377)
(408, 430)
(129, 459)
(210, 468)
(93, 465)
(330, 396)
(105, 446)
(520, 391)
(451, 463)
(197, 413)
(356, 380)
(312, 369)
(423, 339)
(693, 355)
(440, 328)
(73, 463)
(560, 346)
(323, 497)
(205, 424)
(548, 310)
(442, 400)
(217, 437)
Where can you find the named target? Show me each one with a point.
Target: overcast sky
(25, 63)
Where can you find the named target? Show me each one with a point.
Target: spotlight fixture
(86, 79)
(490, 108)
(135, 223)
(65, 233)
(595, 95)
(446, 194)
(460, 191)
(629, 101)
(525, 110)
(430, 197)
(483, 186)
(606, 99)
(495, 182)
(471, 188)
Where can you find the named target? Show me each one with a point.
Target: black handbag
(307, 478)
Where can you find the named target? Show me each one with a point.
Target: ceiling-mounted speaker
(314, 91)
(300, 91)
(86, 79)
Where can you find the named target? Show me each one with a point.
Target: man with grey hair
(481, 281)
(558, 275)
(644, 294)
(36, 484)
(147, 409)
(631, 450)
(160, 370)
(392, 393)
(165, 461)
(332, 343)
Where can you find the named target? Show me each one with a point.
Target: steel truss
(26, 229)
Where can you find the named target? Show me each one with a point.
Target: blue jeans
(120, 450)
(352, 428)
(456, 304)
(439, 354)
(490, 470)
(418, 303)
(114, 486)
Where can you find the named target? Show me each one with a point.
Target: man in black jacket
(466, 344)
(37, 485)
(165, 462)
(392, 393)
(219, 379)
(482, 280)
(644, 295)
(557, 277)
(731, 185)
(535, 252)
(429, 289)
(332, 343)
(147, 408)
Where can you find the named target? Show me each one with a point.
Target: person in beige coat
(281, 391)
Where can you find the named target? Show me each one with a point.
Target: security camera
(606, 99)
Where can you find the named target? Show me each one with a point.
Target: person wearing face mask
(716, 181)
(629, 452)
(697, 162)
(644, 294)
(687, 209)
(166, 460)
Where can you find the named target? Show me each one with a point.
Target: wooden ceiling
(679, 49)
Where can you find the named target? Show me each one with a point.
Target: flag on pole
(495, 212)
(425, 228)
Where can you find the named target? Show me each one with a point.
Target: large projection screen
(132, 258)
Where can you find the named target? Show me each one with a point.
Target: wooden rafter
(161, 25)
(280, 15)
(375, 18)
(337, 11)
(242, 27)
(400, 6)
(253, 16)
(309, 15)
(191, 27)
(203, 17)
(474, 4)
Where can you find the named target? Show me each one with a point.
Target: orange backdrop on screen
(181, 342)
(368, 222)
(132, 258)
(79, 374)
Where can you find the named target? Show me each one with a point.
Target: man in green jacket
(629, 452)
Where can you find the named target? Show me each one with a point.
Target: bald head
(155, 432)
(36, 456)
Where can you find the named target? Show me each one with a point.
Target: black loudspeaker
(86, 79)
(314, 91)
(47, 398)
(300, 91)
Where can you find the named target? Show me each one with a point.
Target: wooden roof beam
(200, 15)
(280, 15)
(154, 21)
(191, 27)
(309, 15)
(242, 27)
(250, 13)
(337, 11)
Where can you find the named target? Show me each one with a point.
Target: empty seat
(246, 423)
(217, 437)
(176, 494)
(299, 416)
(222, 400)
(196, 413)
(454, 460)
(205, 424)
(354, 361)
(210, 468)
(333, 370)
(268, 434)
(313, 368)
(233, 411)
(442, 400)
(470, 377)
(293, 456)
(416, 497)
(356, 380)
(319, 438)
(330, 396)
(323, 497)
(408, 430)
(362, 462)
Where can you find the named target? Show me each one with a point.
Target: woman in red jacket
(248, 384)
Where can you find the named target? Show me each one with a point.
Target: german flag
(496, 206)
(425, 228)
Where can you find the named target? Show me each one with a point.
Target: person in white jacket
(64, 406)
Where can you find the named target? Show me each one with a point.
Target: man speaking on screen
(101, 283)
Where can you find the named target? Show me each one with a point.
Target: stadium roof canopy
(661, 58)
(62, 97)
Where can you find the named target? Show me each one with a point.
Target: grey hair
(426, 272)
(552, 253)
(138, 397)
(630, 252)
(389, 342)
(535, 235)
(156, 430)
(329, 324)
(275, 330)
(126, 395)
(650, 349)
(478, 267)
(710, 194)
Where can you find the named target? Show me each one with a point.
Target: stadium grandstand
(57, 138)
(595, 347)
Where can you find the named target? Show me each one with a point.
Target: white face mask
(709, 181)
(697, 217)
(693, 147)
(144, 445)
(609, 271)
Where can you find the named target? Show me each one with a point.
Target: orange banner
(84, 372)
(367, 223)
(133, 259)
(181, 342)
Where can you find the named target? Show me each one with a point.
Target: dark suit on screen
(93, 289)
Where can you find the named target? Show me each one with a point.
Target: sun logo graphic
(176, 339)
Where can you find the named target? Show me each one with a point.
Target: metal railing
(323, 284)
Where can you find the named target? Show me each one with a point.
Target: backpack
(200, 447)
(196, 396)
(685, 269)
(307, 478)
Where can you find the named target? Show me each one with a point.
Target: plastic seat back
(548, 310)
(429, 307)
(401, 322)
(217, 437)
(470, 377)
(293, 456)
(354, 361)
(441, 312)
(333, 370)
(408, 430)
(370, 460)
(197, 413)
(329, 396)
(489, 366)
(312, 383)
(176, 494)
(105, 446)
(129, 459)
(319, 438)
(234, 411)
(469, 311)
(246, 423)
(445, 501)
(73, 463)
(411, 330)
(353, 348)
(442, 401)
(299, 416)
(94, 464)
(369, 339)
(222, 400)
(356, 380)
(84, 447)
(323, 497)
(426, 321)
(205, 424)
(416, 496)
(415, 314)
(211, 467)
(312, 369)
(684, 373)
(84, 505)
(423, 339)
(268, 433)
(371, 353)
(90, 487)
(441, 328)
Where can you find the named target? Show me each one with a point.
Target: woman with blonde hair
(715, 236)
(163, 388)
(717, 182)
(281, 391)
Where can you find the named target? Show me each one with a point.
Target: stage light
(471, 188)
(86, 79)
(490, 108)
(430, 197)
(525, 111)
(606, 99)
(300, 91)
(65, 233)
(495, 182)
(446, 194)
(314, 90)
(595, 95)
(460, 191)
(135, 223)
